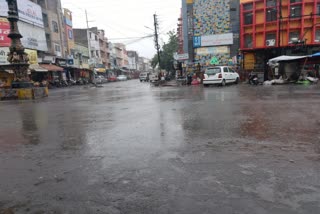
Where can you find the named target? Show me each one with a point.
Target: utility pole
(156, 37)
(88, 35)
(279, 26)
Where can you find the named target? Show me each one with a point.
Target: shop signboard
(28, 12)
(4, 51)
(33, 37)
(217, 40)
(212, 50)
(181, 57)
(33, 56)
(4, 31)
(197, 41)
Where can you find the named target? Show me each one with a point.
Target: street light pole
(17, 57)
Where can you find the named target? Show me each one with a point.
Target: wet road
(130, 148)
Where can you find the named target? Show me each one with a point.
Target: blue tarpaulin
(316, 54)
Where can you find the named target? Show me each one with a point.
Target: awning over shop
(37, 68)
(284, 58)
(51, 67)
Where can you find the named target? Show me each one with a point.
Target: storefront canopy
(37, 68)
(284, 59)
(51, 67)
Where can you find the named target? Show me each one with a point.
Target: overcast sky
(126, 19)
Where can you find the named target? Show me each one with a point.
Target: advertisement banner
(33, 37)
(28, 12)
(4, 31)
(217, 40)
(4, 55)
(33, 56)
(212, 50)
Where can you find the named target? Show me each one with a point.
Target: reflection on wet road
(132, 148)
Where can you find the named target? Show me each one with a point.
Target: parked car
(220, 75)
(144, 77)
(122, 78)
(112, 79)
(153, 77)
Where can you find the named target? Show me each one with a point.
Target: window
(42, 3)
(70, 34)
(225, 70)
(96, 37)
(55, 27)
(248, 6)
(57, 48)
(271, 39)
(248, 41)
(295, 11)
(271, 3)
(318, 9)
(45, 20)
(271, 15)
(97, 53)
(90, 35)
(231, 70)
(295, 1)
(48, 39)
(295, 35)
(248, 18)
(317, 38)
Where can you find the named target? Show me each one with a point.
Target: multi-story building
(270, 28)
(187, 28)
(68, 32)
(133, 58)
(81, 56)
(121, 55)
(180, 34)
(113, 56)
(215, 31)
(54, 29)
(103, 45)
(144, 64)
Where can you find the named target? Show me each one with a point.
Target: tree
(166, 54)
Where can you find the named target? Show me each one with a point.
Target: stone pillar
(17, 57)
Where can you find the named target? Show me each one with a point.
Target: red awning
(51, 67)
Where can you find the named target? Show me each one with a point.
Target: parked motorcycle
(253, 79)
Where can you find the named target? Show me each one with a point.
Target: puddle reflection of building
(30, 124)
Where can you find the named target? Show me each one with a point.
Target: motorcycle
(253, 79)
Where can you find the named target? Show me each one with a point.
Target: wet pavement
(131, 148)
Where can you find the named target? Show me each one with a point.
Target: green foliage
(166, 54)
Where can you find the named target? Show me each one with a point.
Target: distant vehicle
(144, 77)
(154, 77)
(112, 79)
(100, 80)
(122, 78)
(220, 75)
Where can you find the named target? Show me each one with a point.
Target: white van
(154, 77)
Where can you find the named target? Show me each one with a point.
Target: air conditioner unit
(270, 42)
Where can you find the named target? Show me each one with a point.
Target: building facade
(52, 15)
(271, 28)
(215, 36)
(133, 59)
(70, 46)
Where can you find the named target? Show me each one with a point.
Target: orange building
(270, 28)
